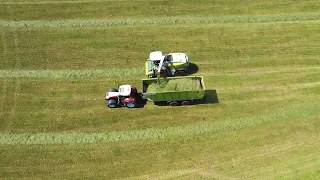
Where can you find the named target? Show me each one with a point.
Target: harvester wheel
(179, 73)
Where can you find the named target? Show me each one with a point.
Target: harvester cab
(166, 65)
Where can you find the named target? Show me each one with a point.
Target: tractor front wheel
(112, 103)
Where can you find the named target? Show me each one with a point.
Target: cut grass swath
(155, 21)
(299, 112)
(71, 74)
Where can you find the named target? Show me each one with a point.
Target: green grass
(59, 58)
(189, 131)
(60, 10)
(115, 47)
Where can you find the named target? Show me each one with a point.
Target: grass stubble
(264, 67)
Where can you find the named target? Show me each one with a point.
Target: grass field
(58, 59)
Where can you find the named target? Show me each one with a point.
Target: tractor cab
(127, 90)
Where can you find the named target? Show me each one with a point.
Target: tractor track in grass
(5, 59)
(305, 111)
(17, 65)
(301, 17)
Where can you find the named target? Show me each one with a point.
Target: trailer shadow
(210, 97)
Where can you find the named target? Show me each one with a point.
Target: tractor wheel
(131, 105)
(112, 103)
(113, 90)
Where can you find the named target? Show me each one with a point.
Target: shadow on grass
(193, 68)
(210, 97)
(140, 102)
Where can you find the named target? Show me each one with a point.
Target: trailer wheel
(186, 103)
(174, 103)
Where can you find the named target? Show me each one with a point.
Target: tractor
(166, 65)
(127, 96)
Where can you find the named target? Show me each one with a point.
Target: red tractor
(127, 96)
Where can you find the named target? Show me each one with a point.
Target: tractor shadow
(210, 97)
(193, 68)
(140, 102)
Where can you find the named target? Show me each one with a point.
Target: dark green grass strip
(300, 112)
(157, 21)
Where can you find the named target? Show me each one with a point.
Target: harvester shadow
(193, 68)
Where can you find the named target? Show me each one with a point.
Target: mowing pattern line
(71, 74)
(112, 72)
(54, 2)
(305, 111)
(4, 58)
(157, 21)
(17, 65)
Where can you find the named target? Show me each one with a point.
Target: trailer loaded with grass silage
(173, 91)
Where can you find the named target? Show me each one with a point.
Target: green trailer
(177, 97)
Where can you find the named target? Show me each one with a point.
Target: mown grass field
(58, 59)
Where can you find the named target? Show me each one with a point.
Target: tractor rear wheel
(131, 105)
